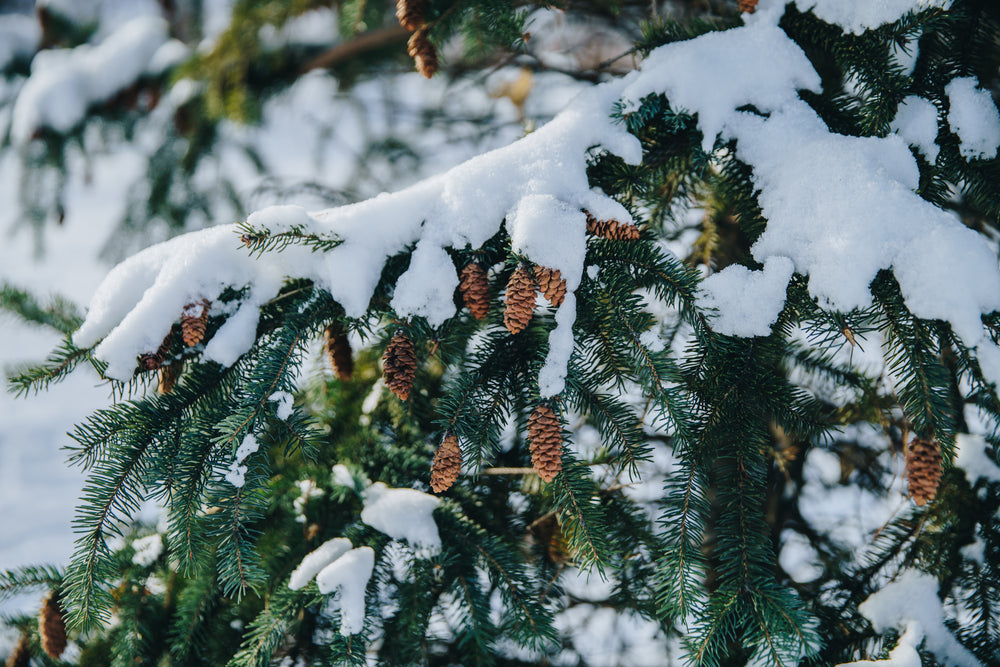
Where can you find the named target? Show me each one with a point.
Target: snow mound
(403, 514)
(318, 559)
(974, 118)
(348, 576)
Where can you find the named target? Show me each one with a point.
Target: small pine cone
(423, 53)
(551, 284)
(411, 13)
(475, 288)
(21, 655)
(169, 374)
(545, 442)
(399, 365)
(612, 229)
(194, 320)
(923, 469)
(447, 464)
(520, 300)
(52, 627)
(150, 361)
(748, 6)
(338, 351)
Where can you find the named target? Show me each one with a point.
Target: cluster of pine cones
(51, 634)
(412, 15)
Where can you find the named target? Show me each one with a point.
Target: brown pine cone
(520, 300)
(545, 442)
(399, 365)
(747, 5)
(411, 13)
(169, 374)
(923, 469)
(150, 361)
(612, 229)
(475, 289)
(21, 655)
(194, 320)
(52, 626)
(447, 464)
(551, 284)
(423, 53)
(338, 351)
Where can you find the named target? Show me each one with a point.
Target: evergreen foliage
(738, 417)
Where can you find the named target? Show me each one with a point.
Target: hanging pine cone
(551, 284)
(475, 289)
(169, 374)
(520, 300)
(411, 13)
(52, 626)
(447, 464)
(150, 361)
(423, 53)
(612, 229)
(747, 5)
(21, 655)
(545, 442)
(923, 469)
(399, 365)
(338, 351)
(194, 320)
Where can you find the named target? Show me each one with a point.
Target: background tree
(768, 297)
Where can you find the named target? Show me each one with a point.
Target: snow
(857, 16)
(403, 514)
(916, 121)
(307, 491)
(911, 603)
(348, 576)
(316, 560)
(19, 38)
(746, 302)
(974, 118)
(65, 82)
(972, 459)
(236, 475)
(904, 655)
(285, 401)
(147, 549)
(343, 476)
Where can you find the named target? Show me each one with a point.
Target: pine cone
(545, 442)
(150, 361)
(194, 320)
(399, 365)
(475, 288)
(551, 284)
(169, 374)
(447, 464)
(520, 300)
(423, 53)
(747, 6)
(923, 469)
(52, 627)
(338, 351)
(612, 229)
(411, 13)
(21, 655)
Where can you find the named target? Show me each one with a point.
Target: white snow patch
(19, 37)
(911, 603)
(974, 118)
(316, 560)
(285, 401)
(147, 549)
(307, 491)
(917, 122)
(971, 457)
(348, 575)
(857, 16)
(746, 302)
(236, 475)
(403, 514)
(343, 476)
(65, 82)
(904, 655)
